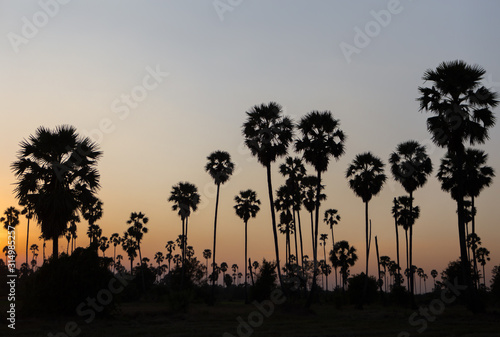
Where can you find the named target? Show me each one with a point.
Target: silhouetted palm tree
(396, 209)
(207, 253)
(321, 138)
(345, 256)
(159, 259)
(92, 212)
(293, 169)
(103, 245)
(170, 246)
(434, 274)
(283, 203)
(27, 211)
(223, 268)
(129, 245)
(309, 184)
(138, 228)
(332, 218)
(247, 206)
(116, 240)
(384, 262)
(366, 178)
(220, 168)
(185, 197)
(462, 113)
(267, 135)
(323, 238)
(410, 166)
(56, 171)
(482, 257)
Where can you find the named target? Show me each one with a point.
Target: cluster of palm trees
(57, 182)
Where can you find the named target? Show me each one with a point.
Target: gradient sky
(76, 68)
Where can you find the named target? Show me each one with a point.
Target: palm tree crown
(247, 205)
(185, 198)
(56, 171)
(366, 175)
(219, 166)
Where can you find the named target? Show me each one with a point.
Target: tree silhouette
(462, 113)
(56, 171)
(396, 209)
(170, 246)
(345, 256)
(185, 197)
(116, 240)
(321, 138)
(247, 206)
(309, 184)
(137, 228)
(283, 204)
(434, 274)
(159, 259)
(268, 134)
(223, 268)
(129, 245)
(103, 245)
(482, 257)
(293, 169)
(27, 211)
(207, 253)
(92, 212)
(323, 238)
(366, 178)
(410, 166)
(220, 168)
(332, 218)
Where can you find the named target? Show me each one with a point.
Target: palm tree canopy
(219, 166)
(247, 204)
(476, 174)
(11, 218)
(309, 184)
(405, 218)
(294, 170)
(185, 197)
(331, 217)
(366, 175)
(461, 104)
(56, 170)
(410, 165)
(267, 133)
(320, 139)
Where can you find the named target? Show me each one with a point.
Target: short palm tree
(483, 255)
(462, 109)
(321, 138)
(434, 274)
(137, 229)
(185, 197)
(345, 256)
(27, 211)
(309, 184)
(207, 253)
(116, 240)
(220, 168)
(293, 169)
(56, 171)
(268, 134)
(396, 209)
(366, 178)
(129, 245)
(332, 218)
(103, 245)
(170, 246)
(247, 206)
(92, 212)
(410, 166)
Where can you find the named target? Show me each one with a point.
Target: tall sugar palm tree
(309, 184)
(129, 245)
(462, 109)
(116, 240)
(170, 246)
(185, 197)
(268, 134)
(283, 203)
(366, 178)
(103, 245)
(27, 211)
(220, 168)
(137, 229)
(92, 212)
(396, 209)
(247, 206)
(321, 138)
(293, 169)
(56, 170)
(207, 253)
(332, 218)
(410, 166)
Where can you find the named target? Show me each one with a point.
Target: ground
(223, 319)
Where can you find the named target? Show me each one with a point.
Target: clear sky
(89, 64)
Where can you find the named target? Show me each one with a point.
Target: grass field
(155, 319)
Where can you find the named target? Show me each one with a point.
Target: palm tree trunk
(474, 232)
(55, 247)
(295, 237)
(300, 239)
(324, 256)
(315, 242)
(273, 218)
(27, 238)
(367, 242)
(312, 231)
(333, 248)
(412, 278)
(215, 240)
(397, 245)
(407, 261)
(246, 266)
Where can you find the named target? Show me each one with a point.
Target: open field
(155, 319)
